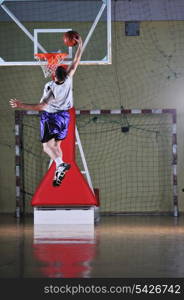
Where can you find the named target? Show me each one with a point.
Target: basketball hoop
(50, 61)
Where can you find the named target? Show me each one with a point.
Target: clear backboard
(37, 26)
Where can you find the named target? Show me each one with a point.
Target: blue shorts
(54, 125)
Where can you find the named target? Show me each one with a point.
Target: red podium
(74, 190)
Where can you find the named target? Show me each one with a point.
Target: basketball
(69, 38)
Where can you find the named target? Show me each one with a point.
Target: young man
(54, 104)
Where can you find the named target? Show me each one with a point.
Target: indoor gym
(128, 98)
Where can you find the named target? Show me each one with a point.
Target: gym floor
(117, 247)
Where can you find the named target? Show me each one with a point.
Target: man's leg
(53, 149)
(59, 159)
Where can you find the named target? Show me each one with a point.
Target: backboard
(32, 26)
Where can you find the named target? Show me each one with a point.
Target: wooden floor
(122, 247)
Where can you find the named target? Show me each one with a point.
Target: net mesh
(139, 161)
(49, 62)
(147, 71)
(131, 169)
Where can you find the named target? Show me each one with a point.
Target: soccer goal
(131, 156)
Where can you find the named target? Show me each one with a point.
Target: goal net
(131, 161)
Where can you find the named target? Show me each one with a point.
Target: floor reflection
(64, 251)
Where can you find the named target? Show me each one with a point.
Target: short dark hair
(60, 73)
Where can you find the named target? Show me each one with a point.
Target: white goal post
(161, 113)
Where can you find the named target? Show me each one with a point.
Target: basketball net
(49, 62)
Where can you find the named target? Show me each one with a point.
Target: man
(56, 101)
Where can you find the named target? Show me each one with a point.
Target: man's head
(60, 74)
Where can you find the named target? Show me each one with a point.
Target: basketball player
(54, 105)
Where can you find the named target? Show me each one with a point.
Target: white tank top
(58, 96)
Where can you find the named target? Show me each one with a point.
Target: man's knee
(46, 147)
(49, 146)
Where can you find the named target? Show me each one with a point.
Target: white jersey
(58, 96)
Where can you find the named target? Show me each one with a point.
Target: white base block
(56, 215)
(63, 233)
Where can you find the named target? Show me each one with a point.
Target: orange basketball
(69, 38)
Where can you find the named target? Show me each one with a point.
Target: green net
(129, 165)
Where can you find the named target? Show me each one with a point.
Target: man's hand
(18, 104)
(15, 103)
(73, 66)
(79, 41)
